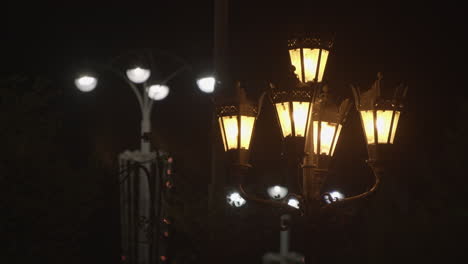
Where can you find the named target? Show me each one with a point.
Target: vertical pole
(284, 242)
(221, 9)
(145, 145)
(124, 207)
(144, 198)
(284, 237)
(221, 38)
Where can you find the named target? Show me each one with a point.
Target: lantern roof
(291, 89)
(373, 99)
(237, 105)
(298, 42)
(326, 109)
(298, 93)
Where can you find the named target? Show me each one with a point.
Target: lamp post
(311, 124)
(140, 190)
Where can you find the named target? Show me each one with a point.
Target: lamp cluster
(310, 123)
(87, 82)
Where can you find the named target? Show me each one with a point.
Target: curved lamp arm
(377, 174)
(167, 79)
(132, 86)
(265, 201)
(145, 103)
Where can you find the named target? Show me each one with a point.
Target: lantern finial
(325, 88)
(379, 115)
(240, 92)
(379, 76)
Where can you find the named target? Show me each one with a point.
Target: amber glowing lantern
(379, 116)
(309, 57)
(236, 120)
(293, 106)
(325, 127)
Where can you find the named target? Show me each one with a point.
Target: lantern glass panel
(231, 131)
(311, 57)
(323, 64)
(295, 55)
(368, 123)
(384, 120)
(222, 133)
(284, 117)
(300, 114)
(327, 131)
(315, 136)
(394, 127)
(247, 124)
(336, 139)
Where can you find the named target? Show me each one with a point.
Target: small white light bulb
(293, 202)
(158, 92)
(86, 83)
(235, 199)
(138, 74)
(206, 84)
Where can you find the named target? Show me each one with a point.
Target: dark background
(59, 195)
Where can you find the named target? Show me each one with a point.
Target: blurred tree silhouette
(46, 202)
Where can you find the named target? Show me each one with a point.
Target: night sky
(420, 45)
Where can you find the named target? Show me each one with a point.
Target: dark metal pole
(220, 67)
(221, 38)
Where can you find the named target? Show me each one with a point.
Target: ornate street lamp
(236, 120)
(293, 106)
(324, 130)
(379, 117)
(327, 119)
(311, 124)
(309, 57)
(293, 100)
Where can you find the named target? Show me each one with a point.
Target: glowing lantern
(325, 126)
(293, 107)
(309, 57)
(237, 121)
(379, 116)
